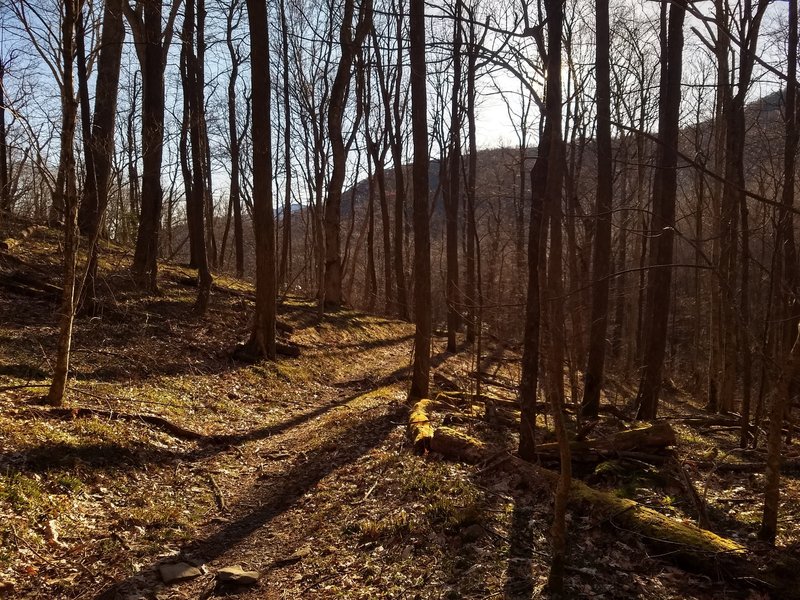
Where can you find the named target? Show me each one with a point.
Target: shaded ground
(313, 484)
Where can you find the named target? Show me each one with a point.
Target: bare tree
(601, 265)
(152, 47)
(663, 222)
(262, 336)
(422, 243)
(68, 192)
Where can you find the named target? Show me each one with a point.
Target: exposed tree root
(160, 422)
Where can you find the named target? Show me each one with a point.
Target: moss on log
(656, 436)
(420, 428)
(456, 445)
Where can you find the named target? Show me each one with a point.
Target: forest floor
(301, 470)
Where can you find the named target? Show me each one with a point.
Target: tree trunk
(262, 336)
(151, 55)
(69, 194)
(422, 243)
(285, 268)
(602, 237)
(193, 84)
(659, 279)
(5, 188)
(780, 400)
(451, 190)
(233, 135)
(350, 43)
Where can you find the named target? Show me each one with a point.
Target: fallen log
(455, 396)
(495, 380)
(13, 242)
(456, 445)
(653, 437)
(787, 466)
(420, 428)
(684, 541)
(681, 542)
(445, 383)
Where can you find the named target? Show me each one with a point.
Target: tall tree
(5, 183)
(101, 140)
(68, 191)
(286, 240)
(791, 367)
(452, 198)
(662, 228)
(152, 47)
(422, 242)
(262, 336)
(601, 260)
(553, 193)
(193, 79)
(350, 43)
(235, 56)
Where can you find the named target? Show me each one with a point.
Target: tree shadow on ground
(519, 584)
(276, 496)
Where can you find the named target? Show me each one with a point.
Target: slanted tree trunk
(262, 336)
(378, 159)
(350, 43)
(422, 243)
(233, 135)
(662, 226)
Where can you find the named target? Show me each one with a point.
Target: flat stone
(175, 572)
(238, 576)
(296, 556)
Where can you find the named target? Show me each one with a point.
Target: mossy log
(684, 542)
(456, 445)
(13, 242)
(651, 438)
(420, 428)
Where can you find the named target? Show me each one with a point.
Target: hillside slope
(169, 452)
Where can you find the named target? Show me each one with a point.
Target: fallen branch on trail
(172, 428)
